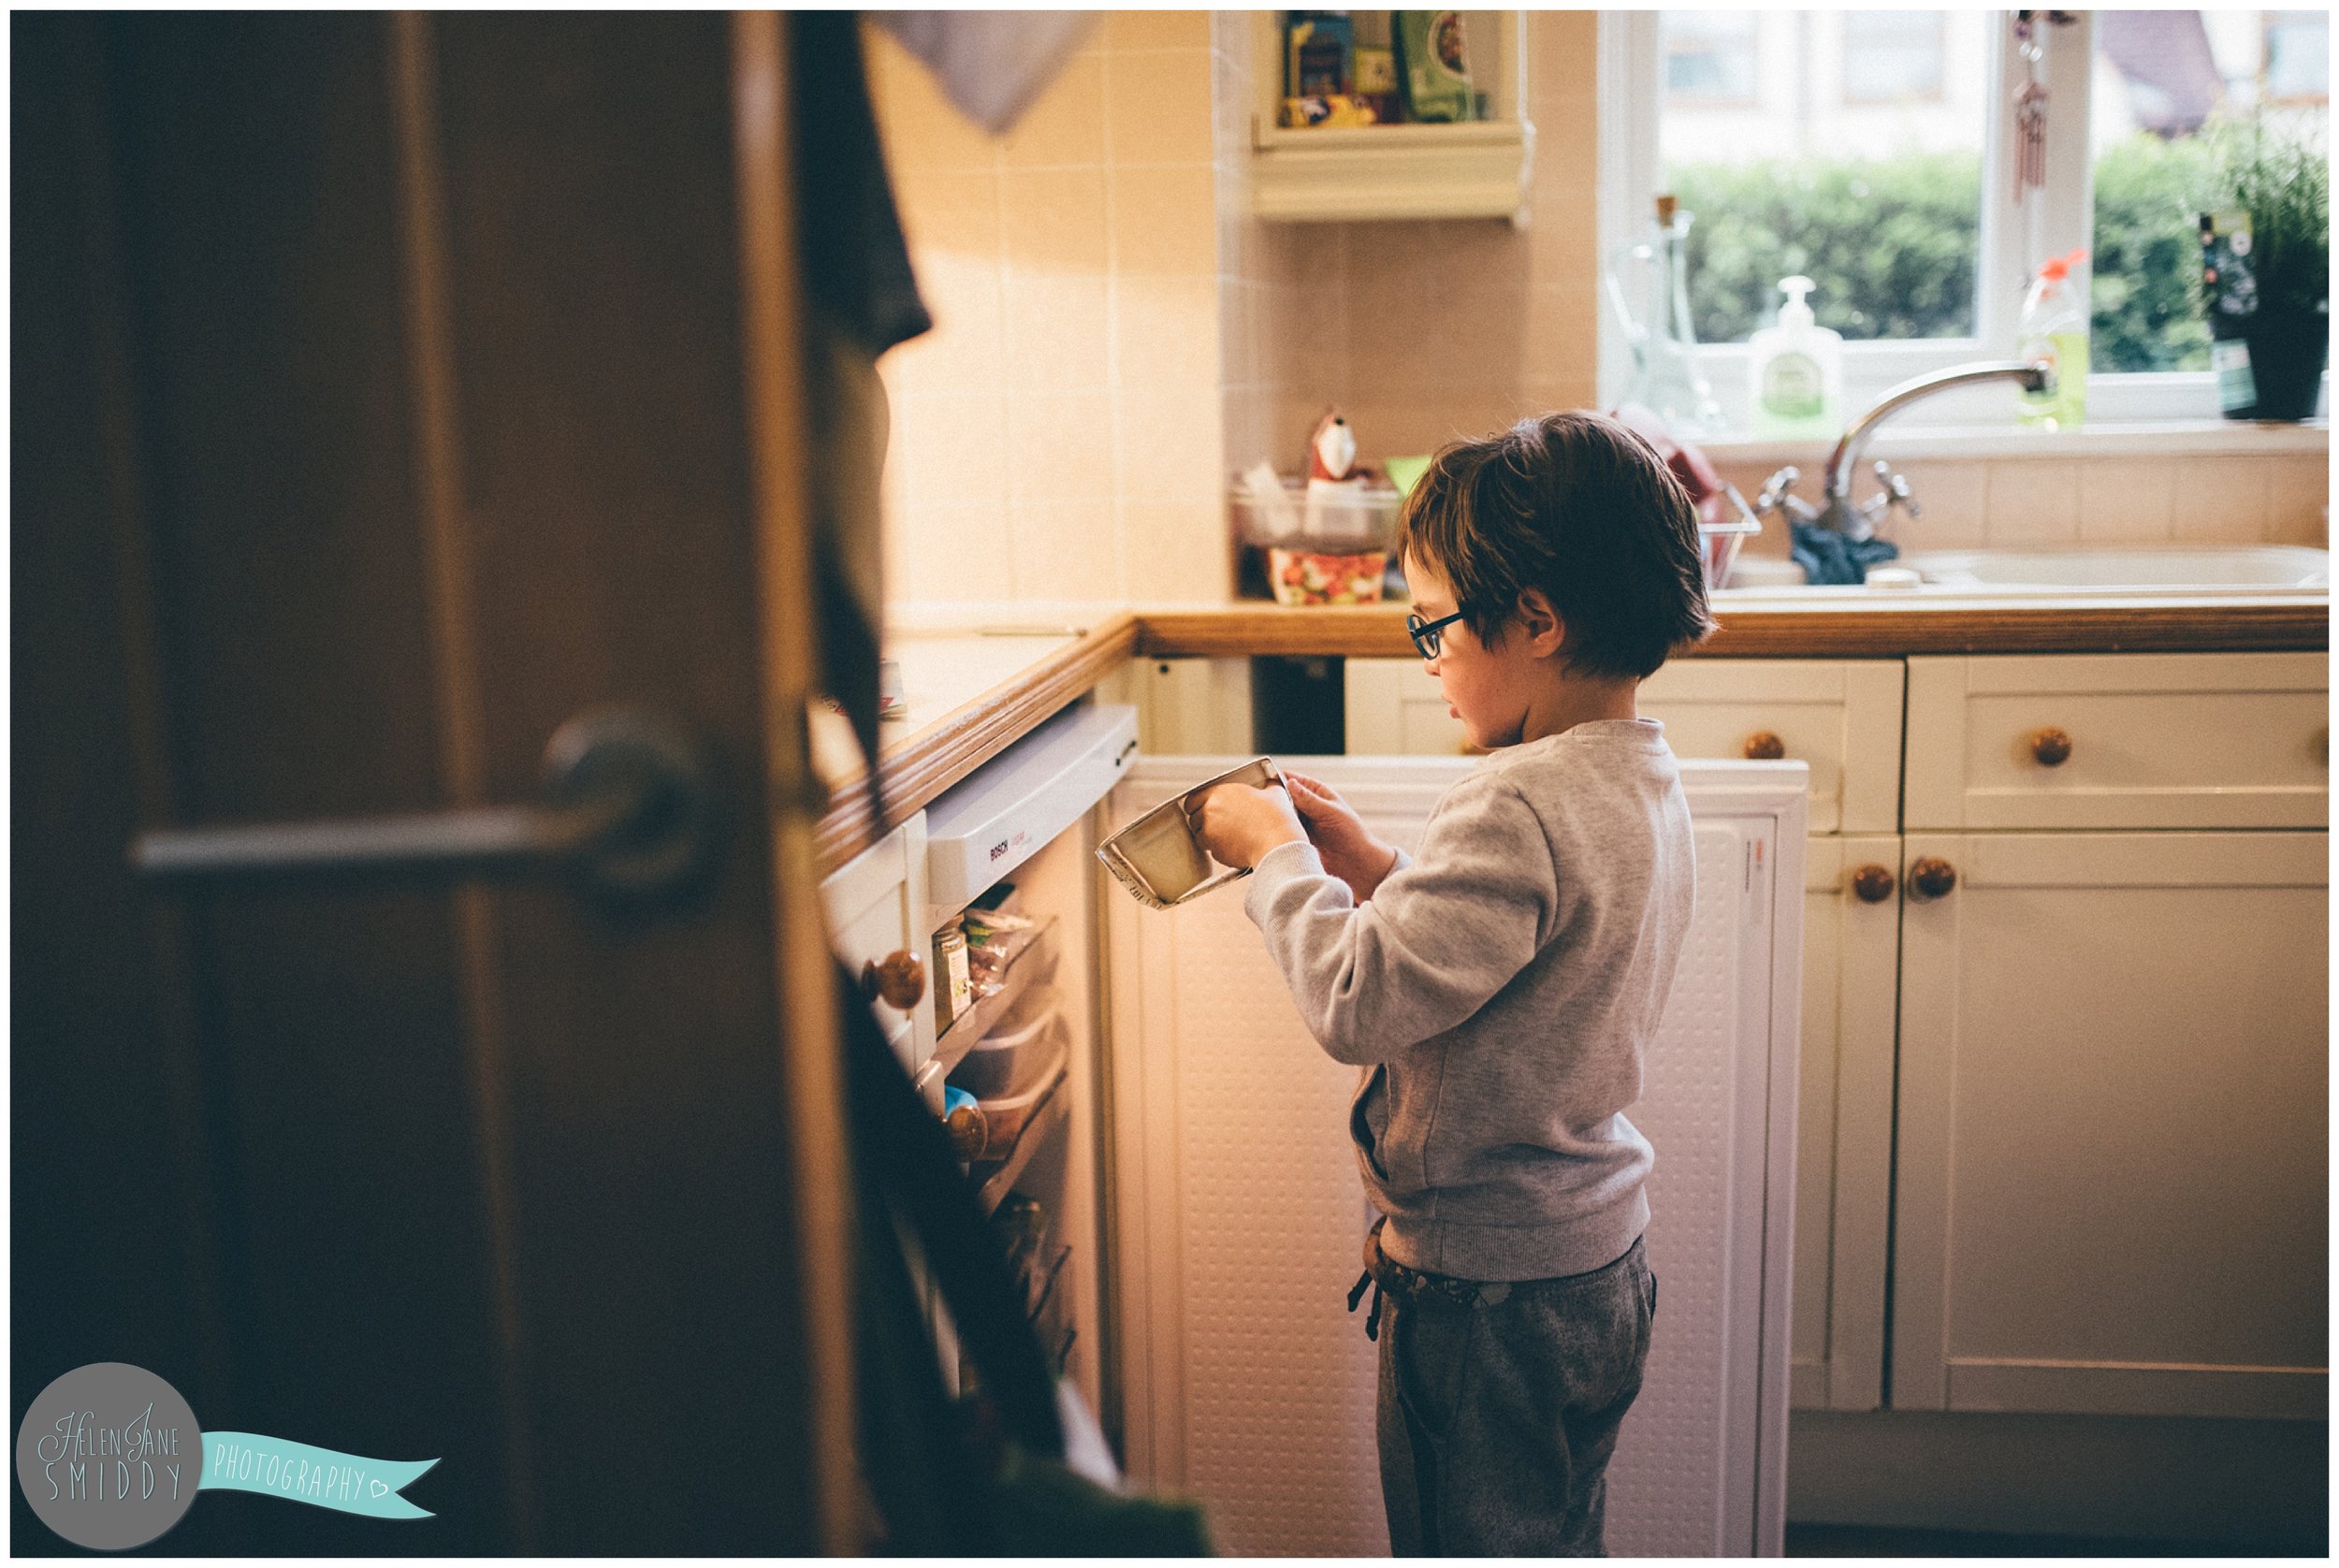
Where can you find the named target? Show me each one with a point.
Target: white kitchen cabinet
(2120, 740)
(1843, 719)
(876, 905)
(2114, 1087)
(1240, 1215)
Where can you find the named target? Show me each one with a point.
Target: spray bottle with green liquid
(2054, 328)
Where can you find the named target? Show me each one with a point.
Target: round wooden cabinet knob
(1764, 746)
(1873, 883)
(2051, 746)
(898, 979)
(1931, 876)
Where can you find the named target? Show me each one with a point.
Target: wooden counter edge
(2299, 623)
(920, 770)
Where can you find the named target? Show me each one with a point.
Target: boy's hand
(1239, 824)
(1347, 848)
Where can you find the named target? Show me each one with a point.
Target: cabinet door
(2112, 1171)
(876, 905)
(1844, 1127)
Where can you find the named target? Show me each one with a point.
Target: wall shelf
(1475, 169)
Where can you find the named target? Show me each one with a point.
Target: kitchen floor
(1852, 1540)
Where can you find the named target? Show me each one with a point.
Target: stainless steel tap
(1858, 522)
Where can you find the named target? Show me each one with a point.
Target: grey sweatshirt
(1498, 991)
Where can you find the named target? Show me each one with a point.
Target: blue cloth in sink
(1828, 557)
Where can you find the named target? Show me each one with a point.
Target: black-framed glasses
(1425, 632)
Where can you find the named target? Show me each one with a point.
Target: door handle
(627, 807)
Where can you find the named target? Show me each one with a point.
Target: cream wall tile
(1054, 220)
(1169, 441)
(2125, 500)
(1060, 446)
(1177, 550)
(1066, 549)
(1165, 222)
(1143, 29)
(1955, 497)
(954, 214)
(2032, 503)
(1065, 124)
(2220, 500)
(1158, 108)
(949, 449)
(2298, 502)
(1170, 332)
(955, 553)
(1055, 338)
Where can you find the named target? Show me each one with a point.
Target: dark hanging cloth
(856, 264)
(861, 298)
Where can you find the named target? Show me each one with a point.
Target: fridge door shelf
(1045, 1117)
(1040, 1287)
(1032, 964)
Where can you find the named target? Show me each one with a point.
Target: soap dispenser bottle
(1796, 371)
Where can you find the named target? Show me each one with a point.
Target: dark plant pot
(2286, 356)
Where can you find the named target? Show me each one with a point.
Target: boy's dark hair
(1580, 507)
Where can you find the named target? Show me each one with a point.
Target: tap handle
(1895, 490)
(1775, 489)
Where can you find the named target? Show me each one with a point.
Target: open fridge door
(1238, 1215)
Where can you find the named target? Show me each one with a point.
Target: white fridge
(1235, 1214)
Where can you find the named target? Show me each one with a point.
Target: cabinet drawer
(876, 903)
(2210, 740)
(1842, 717)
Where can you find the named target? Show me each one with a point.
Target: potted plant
(2272, 289)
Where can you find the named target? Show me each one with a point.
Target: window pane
(2160, 77)
(2297, 56)
(1709, 56)
(1891, 54)
(1857, 160)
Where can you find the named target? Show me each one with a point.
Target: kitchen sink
(2157, 570)
(2168, 566)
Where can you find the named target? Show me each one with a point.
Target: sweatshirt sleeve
(1441, 934)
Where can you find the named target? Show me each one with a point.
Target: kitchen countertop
(970, 695)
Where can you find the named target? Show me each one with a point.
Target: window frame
(2014, 237)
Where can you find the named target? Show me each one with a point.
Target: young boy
(1498, 990)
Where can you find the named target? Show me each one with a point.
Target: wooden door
(2112, 1175)
(388, 392)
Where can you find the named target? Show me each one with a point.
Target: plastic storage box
(1320, 547)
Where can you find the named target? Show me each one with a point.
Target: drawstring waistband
(1385, 1274)
(1356, 1294)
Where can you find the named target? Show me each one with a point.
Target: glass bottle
(1664, 345)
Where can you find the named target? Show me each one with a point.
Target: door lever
(627, 807)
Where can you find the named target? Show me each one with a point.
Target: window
(1893, 56)
(2158, 79)
(1709, 57)
(1875, 152)
(2298, 58)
